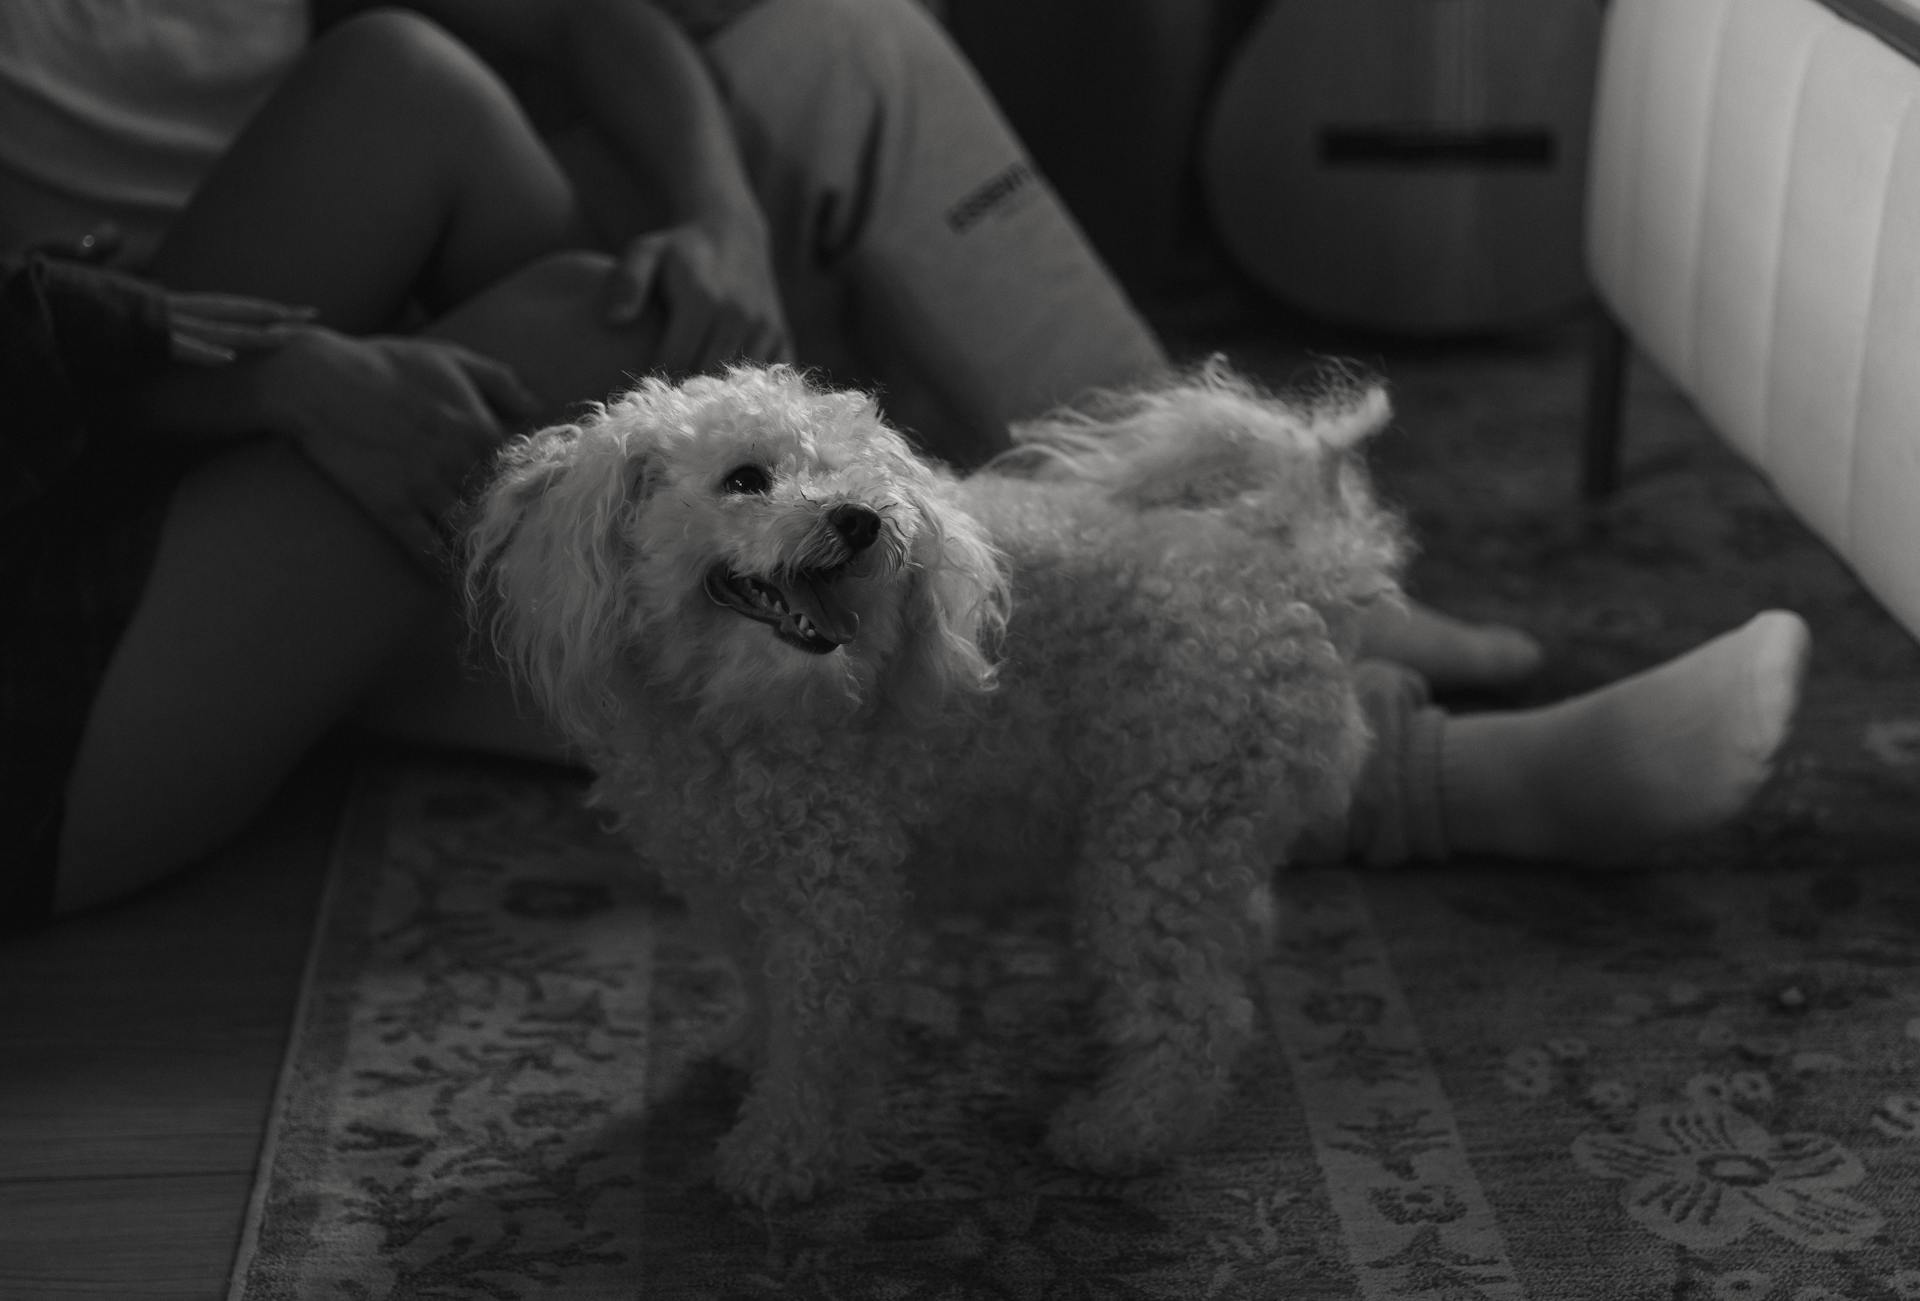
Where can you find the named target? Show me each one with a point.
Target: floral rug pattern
(1478, 1084)
(1700, 1080)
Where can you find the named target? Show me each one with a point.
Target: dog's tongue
(815, 599)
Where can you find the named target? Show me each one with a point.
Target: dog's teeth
(768, 595)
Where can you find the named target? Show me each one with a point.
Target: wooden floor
(139, 1050)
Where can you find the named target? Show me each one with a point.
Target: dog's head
(748, 544)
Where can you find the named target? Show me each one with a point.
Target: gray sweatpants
(919, 247)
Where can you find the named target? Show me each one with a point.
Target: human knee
(415, 63)
(395, 42)
(883, 48)
(572, 354)
(274, 605)
(571, 273)
(563, 292)
(838, 104)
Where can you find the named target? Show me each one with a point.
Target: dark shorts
(72, 568)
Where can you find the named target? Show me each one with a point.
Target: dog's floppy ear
(546, 554)
(958, 600)
(520, 474)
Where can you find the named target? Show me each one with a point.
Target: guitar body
(1411, 166)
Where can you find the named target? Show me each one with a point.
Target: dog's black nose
(857, 525)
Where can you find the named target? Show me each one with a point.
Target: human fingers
(771, 344)
(481, 403)
(729, 338)
(196, 339)
(738, 334)
(500, 387)
(439, 469)
(691, 319)
(405, 504)
(184, 346)
(415, 527)
(449, 387)
(630, 282)
(237, 308)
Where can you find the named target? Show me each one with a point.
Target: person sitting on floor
(226, 544)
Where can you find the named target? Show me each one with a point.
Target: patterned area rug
(1696, 1080)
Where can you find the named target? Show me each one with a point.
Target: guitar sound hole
(1422, 146)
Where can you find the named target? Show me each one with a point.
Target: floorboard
(138, 1053)
(155, 1237)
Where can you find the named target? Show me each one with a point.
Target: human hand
(206, 329)
(716, 292)
(398, 424)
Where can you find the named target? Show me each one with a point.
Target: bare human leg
(390, 169)
(276, 609)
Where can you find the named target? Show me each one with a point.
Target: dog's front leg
(1172, 904)
(826, 945)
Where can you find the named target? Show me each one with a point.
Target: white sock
(1679, 749)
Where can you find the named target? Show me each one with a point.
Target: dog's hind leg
(1174, 910)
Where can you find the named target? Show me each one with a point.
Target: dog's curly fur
(802, 659)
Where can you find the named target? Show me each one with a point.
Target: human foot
(1450, 653)
(1677, 750)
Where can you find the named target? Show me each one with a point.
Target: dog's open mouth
(803, 610)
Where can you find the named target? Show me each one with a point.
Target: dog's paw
(742, 1045)
(756, 1165)
(1109, 1132)
(1138, 1117)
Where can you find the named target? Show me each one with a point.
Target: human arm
(76, 339)
(399, 424)
(627, 69)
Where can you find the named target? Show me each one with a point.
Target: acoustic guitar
(1410, 166)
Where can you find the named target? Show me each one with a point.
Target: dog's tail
(1209, 440)
(1285, 470)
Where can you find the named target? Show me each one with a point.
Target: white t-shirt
(113, 110)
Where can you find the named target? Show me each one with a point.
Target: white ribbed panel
(1754, 221)
(1656, 117)
(1850, 111)
(1757, 89)
(1884, 537)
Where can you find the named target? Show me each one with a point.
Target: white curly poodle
(804, 660)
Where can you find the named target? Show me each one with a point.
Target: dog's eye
(746, 478)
